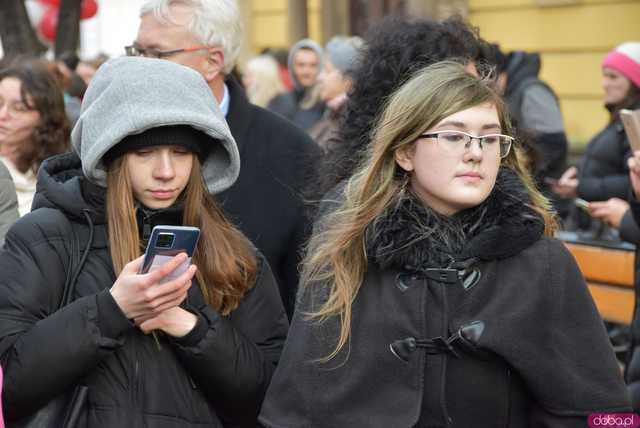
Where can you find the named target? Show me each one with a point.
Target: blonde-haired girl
(433, 295)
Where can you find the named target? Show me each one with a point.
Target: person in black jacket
(141, 158)
(303, 104)
(433, 296)
(603, 176)
(266, 202)
(535, 110)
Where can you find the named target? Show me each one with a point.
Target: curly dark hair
(394, 50)
(40, 91)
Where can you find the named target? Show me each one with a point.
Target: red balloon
(49, 24)
(88, 9)
(50, 2)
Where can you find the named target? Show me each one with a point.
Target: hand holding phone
(567, 185)
(142, 295)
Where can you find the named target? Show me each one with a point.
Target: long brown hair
(226, 260)
(40, 91)
(336, 256)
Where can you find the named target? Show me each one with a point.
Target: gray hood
(130, 95)
(303, 44)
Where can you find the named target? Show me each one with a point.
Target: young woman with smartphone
(433, 296)
(149, 135)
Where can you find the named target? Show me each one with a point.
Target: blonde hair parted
(226, 260)
(336, 257)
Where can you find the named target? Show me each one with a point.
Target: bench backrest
(609, 273)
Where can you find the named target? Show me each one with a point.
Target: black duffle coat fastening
(503, 333)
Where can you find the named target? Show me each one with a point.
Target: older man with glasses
(266, 202)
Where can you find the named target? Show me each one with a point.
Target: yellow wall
(269, 23)
(572, 40)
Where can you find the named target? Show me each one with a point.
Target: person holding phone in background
(149, 137)
(602, 179)
(433, 285)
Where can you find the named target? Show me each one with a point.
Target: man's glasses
(134, 50)
(456, 142)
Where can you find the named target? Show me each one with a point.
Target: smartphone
(166, 242)
(631, 122)
(582, 204)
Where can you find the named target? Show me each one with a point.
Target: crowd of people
(367, 213)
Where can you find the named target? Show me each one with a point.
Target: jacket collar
(409, 236)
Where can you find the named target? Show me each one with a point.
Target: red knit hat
(625, 59)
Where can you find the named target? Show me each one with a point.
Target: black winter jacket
(215, 376)
(604, 173)
(288, 105)
(266, 202)
(501, 333)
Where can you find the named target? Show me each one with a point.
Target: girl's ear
(403, 157)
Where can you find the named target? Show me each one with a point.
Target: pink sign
(614, 420)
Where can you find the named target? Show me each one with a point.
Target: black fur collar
(409, 236)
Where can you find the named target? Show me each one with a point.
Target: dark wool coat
(503, 333)
(266, 202)
(216, 375)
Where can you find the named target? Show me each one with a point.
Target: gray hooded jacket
(173, 94)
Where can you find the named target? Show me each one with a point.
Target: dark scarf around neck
(408, 236)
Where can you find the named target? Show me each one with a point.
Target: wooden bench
(608, 269)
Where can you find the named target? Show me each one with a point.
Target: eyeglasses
(456, 142)
(134, 50)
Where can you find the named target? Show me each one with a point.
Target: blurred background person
(393, 50)
(86, 69)
(281, 56)
(69, 82)
(33, 124)
(536, 114)
(302, 105)
(341, 58)
(261, 80)
(8, 202)
(603, 173)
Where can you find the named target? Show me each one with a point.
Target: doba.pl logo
(614, 420)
